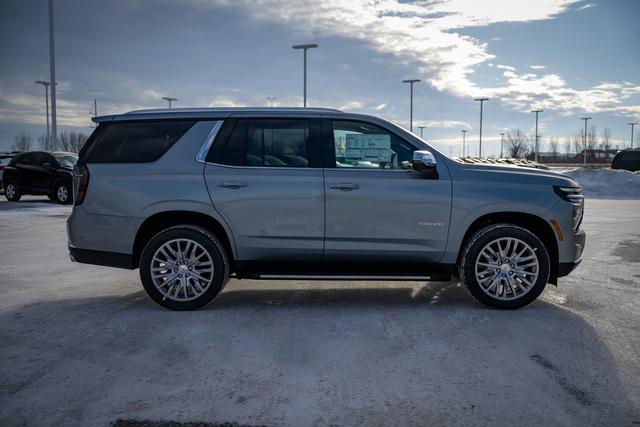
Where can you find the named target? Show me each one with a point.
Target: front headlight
(574, 196)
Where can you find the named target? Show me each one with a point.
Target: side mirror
(424, 162)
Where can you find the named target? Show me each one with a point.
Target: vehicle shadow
(292, 356)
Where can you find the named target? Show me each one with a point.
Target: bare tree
(592, 138)
(578, 144)
(72, 141)
(77, 141)
(517, 144)
(64, 141)
(567, 146)
(22, 142)
(605, 141)
(45, 143)
(553, 145)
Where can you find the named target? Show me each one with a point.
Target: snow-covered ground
(606, 183)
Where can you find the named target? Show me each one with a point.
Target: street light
(271, 99)
(632, 125)
(52, 78)
(305, 47)
(46, 102)
(464, 134)
(480, 144)
(421, 130)
(169, 100)
(411, 83)
(535, 147)
(501, 144)
(584, 138)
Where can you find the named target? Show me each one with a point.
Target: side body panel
(122, 196)
(479, 191)
(277, 214)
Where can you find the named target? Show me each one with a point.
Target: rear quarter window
(135, 142)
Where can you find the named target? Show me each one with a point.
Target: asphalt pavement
(83, 345)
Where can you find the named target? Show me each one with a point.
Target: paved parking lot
(83, 345)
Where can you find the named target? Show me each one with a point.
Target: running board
(431, 278)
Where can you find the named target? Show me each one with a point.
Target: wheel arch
(163, 220)
(533, 223)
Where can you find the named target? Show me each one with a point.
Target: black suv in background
(627, 160)
(40, 173)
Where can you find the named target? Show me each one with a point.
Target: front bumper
(579, 240)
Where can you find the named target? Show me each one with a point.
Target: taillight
(80, 183)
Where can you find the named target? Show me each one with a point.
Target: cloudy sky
(569, 58)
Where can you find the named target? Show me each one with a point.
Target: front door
(380, 213)
(265, 178)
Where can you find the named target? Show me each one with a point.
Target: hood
(515, 174)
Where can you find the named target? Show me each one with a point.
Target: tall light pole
(584, 138)
(535, 146)
(52, 78)
(632, 125)
(411, 83)
(421, 130)
(464, 134)
(305, 47)
(501, 144)
(169, 100)
(46, 102)
(480, 144)
(271, 99)
(94, 112)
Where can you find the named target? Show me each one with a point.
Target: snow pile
(606, 183)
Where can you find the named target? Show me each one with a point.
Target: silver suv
(193, 197)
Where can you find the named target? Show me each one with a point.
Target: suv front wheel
(62, 193)
(184, 267)
(505, 266)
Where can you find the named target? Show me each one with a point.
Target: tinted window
(268, 142)
(25, 159)
(366, 146)
(44, 158)
(136, 142)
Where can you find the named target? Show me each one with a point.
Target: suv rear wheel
(505, 266)
(11, 192)
(184, 267)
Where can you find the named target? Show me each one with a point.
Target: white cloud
(225, 101)
(425, 32)
(446, 124)
(587, 6)
(538, 67)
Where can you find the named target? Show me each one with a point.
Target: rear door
(43, 172)
(25, 165)
(265, 178)
(381, 215)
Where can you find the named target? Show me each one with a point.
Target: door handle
(344, 186)
(232, 184)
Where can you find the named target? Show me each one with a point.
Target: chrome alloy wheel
(63, 193)
(507, 268)
(10, 191)
(182, 270)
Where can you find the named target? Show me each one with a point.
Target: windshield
(66, 160)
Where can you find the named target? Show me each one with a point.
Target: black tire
(11, 191)
(209, 242)
(472, 251)
(62, 193)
